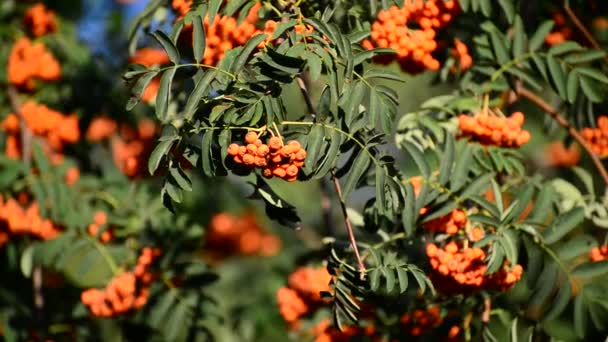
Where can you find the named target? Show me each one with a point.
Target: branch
(487, 309)
(562, 121)
(349, 227)
(579, 25)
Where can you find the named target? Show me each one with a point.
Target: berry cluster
(125, 292)
(55, 130)
(150, 57)
(130, 147)
(325, 332)
(421, 320)
(274, 158)
(395, 29)
(39, 20)
(460, 53)
(16, 220)
(494, 130)
(561, 32)
(599, 253)
(597, 138)
(225, 33)
(558, 155)
(458, 269)
(303, 293)
(239, 235)
(449, 224)
(100, 219)
(28, 61)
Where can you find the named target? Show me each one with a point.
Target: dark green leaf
(163, 97)
(167, 45)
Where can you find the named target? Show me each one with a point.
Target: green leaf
(138, 89)
(593, 73)
(580, 316)
(572, 86)
(251, 45)
(233, 5)
(538, 38)
(564, 224)
(519, 36)
(565, 47)
(202, 82)
(418, 158)
(214, 7)
(167, 45)
(557, 75)
(180, 177)
(40, 159)
(163, 97)
(447, 159)
(158, 153)
(409, 214)
(499, 46)
(206, 154)
(560, 302)
(577, 246)
(199, 41)
(459, 174)
(509, 8)
(26, 263)
(591, 269)
(589, 88)
(585, 56)
(356, 172)
(403, 280)
(332, 154)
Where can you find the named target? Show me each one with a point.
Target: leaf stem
(564, 123)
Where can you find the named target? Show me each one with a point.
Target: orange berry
(251, 137)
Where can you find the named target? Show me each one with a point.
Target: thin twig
(579, 25)
(562, 121)
(349, 227)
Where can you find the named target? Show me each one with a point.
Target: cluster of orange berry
(325, 332)
(460, 53)
(150, 57)
(394, 28)
(561, 31)
(239, 235)
(125, 292)
(494, 130)
(39, 20)
(100, 219)
(421, 321)
(29, 61)
(274, 158)
(54, 128)
(597, 138)
(558, 155)
(599, 253)
(449, 224)
(130, 147)
(458, 269)
(16, 220)
(303, 293)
